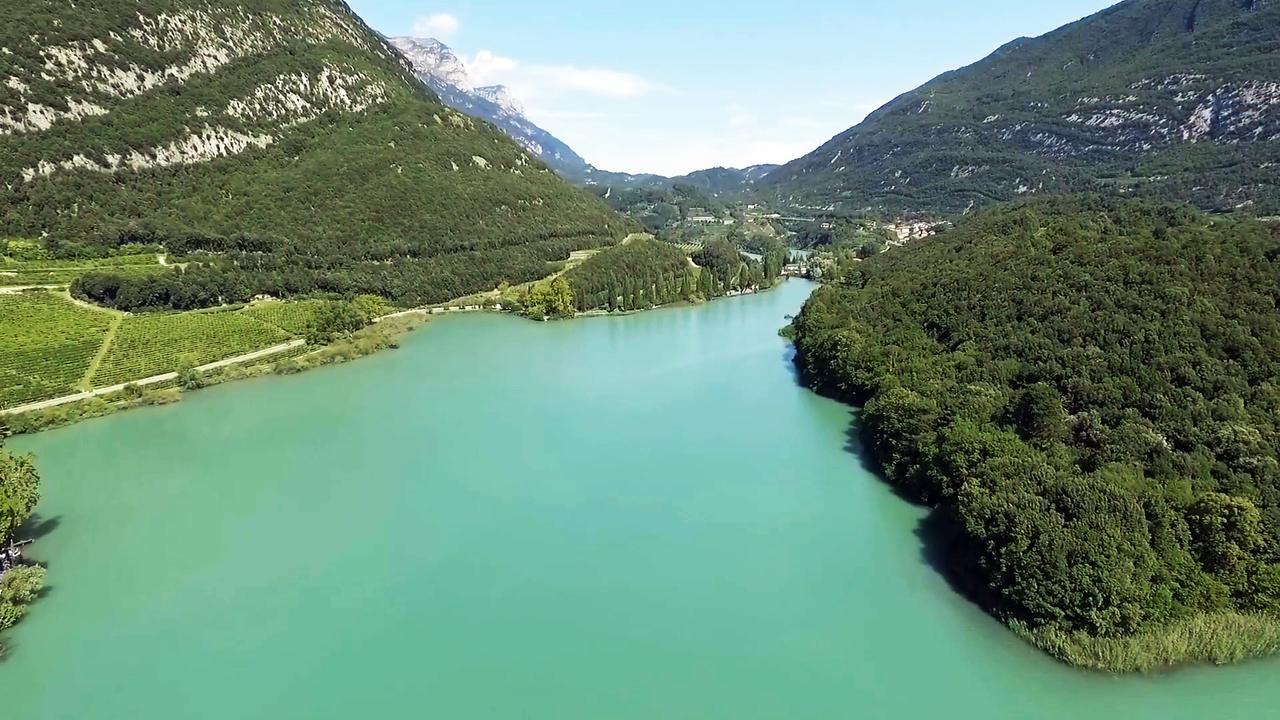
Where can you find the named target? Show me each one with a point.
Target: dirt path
(155, 380)
(86, 383)
(14, 290)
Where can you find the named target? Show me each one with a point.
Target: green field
(148, 345)
(51, 346)
(7, 263)
(291, 317)
(46, 345)
(21, 273)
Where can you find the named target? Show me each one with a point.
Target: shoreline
(164, 390)
(383, 333)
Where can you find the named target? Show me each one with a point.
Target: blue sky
(670, 86)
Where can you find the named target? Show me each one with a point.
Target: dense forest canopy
(645, 272)
(1088, 392)
(660, 207)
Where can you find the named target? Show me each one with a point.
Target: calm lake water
(636, 517)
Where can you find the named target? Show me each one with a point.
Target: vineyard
(148, 345)
(7, 263)
(292, 317)
(49, 344)
(15, 273)
(46, 345)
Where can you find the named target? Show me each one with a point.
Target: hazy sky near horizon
(671, 86)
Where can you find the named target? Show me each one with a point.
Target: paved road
(156, 380)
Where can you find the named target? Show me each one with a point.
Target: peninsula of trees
(1088, 394)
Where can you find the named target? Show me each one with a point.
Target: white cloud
(441, 26)
(487, 68)
(600, 82)
(528, 82)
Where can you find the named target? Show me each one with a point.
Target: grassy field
(291, 317)
(22, 273)
(147, 345)
(8, 263)
(51, 345)
(47, 344)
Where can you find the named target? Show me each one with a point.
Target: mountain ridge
(287, 144)
(447, 75)
(1171, 99)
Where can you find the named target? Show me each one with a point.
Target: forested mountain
(725, 180)
(447, 75)
(1174, 99)
(283, 145)
(1088, 392)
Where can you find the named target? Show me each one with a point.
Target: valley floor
(63, 359)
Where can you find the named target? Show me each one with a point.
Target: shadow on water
(793, 368)
(938, 535)
(39, 527)
(8, 648)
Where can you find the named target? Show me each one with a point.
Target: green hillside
(1168, 99)
(1087, 392)
(281, 145)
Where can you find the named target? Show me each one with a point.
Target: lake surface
(633, 517)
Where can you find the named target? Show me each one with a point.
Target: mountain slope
(721, 180)
(284, 143)
(1160, 98)
(445, 73)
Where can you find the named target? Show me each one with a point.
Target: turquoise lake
(626, 517)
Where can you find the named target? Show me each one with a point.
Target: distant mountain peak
(434, 58)
(446, 73)
(501, 96)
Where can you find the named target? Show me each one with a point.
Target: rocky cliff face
(446, 74)
(1165, 98)
(55, 82)
(289, 120)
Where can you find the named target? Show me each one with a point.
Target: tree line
(1088, 392)
(645, 272)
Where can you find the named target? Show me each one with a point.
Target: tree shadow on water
(942, 550)
(789, 361)
(938, 535)
(38, 527)
(941, 547)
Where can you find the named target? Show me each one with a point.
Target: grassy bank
(1218, 639)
